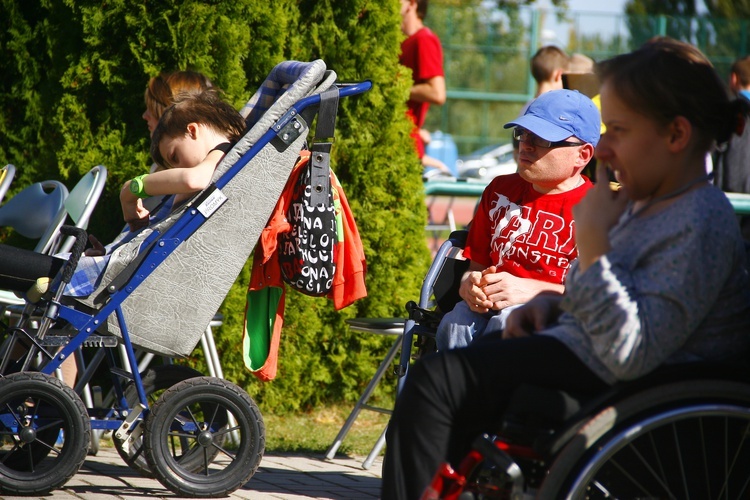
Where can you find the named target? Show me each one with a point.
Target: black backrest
(445, 288)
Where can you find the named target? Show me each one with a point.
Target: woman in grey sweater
(661, 275)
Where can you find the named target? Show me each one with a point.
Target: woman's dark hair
(206, 108)
(666, 78)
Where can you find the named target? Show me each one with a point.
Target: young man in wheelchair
(660, 279)
(521, 240)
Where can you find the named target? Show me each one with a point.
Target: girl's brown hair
(206, 108)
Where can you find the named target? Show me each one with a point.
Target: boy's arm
(431, 90)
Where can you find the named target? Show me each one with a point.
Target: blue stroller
(203, 436)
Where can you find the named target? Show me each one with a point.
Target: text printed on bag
(306, 252)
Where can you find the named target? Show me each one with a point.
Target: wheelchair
(681, 432)
(202, 436)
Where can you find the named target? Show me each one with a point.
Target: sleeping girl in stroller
(191, 138)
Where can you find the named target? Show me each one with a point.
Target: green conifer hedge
(72, 78)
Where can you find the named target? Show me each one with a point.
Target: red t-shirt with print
(524, 232)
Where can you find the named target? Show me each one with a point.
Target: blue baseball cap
(558, 114)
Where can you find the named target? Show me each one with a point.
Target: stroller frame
(175, 414)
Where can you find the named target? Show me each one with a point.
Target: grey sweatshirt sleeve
(640, 303)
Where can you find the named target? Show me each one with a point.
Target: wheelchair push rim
(687, 439)
(649, 458)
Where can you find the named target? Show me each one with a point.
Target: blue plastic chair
(80, 204)
(33, 210)
(40, 210)
(31, 213)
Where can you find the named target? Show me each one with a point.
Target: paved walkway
(288, 477)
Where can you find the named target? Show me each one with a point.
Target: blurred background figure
(547, 67)
(732, 166)
(421, 52)
(580, 63)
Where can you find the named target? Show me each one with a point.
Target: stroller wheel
(204, 437)
(155, 381)
(44, 433)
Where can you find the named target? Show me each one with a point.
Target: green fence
(487, 53)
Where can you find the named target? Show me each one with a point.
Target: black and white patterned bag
(306, 253)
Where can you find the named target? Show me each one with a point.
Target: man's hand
(504, 289)
(539, 313)
(471, 291)
(487, 289)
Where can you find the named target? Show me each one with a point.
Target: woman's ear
(734, 83)
(679, 133)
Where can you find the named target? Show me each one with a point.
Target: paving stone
(282, 477)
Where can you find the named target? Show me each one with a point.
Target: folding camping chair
(438, 295)
(378, 326)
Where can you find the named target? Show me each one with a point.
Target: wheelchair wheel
(44, 433)
(204, 413)
(155, 381)
(687, 439)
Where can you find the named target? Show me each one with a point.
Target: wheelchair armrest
(459, 237)
(428, 318)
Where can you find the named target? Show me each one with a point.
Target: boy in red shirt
(422, 53)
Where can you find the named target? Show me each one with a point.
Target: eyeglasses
(523, 135)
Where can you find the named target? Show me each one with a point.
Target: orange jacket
(264, 311)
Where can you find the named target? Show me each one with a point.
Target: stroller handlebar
(81, 237)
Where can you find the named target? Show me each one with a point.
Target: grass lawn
(315, 431)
